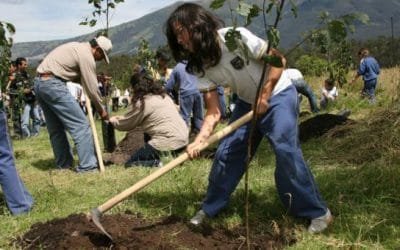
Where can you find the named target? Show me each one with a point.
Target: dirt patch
(320, 125)
(132, 141)
(130, 232)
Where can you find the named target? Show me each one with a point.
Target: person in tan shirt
(76, 62)
(155, 112)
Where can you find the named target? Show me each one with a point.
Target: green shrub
(311, 65)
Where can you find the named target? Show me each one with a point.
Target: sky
(42, 20)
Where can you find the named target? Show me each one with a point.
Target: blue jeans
(222, 102)
(30, 111)
(17, 197)
(294, 181)
(369, 89)
(303, 88)
(145, 156)
(192, 104)
(63, 114)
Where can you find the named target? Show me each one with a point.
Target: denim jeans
(222, 102)
(192, 104)
(30, 111)
(293, 179)
(369, 89)
(304, 88)
(145, 156)
(17, 197)
(63, 114)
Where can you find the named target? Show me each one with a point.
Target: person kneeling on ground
(155, 112)
(329, 93)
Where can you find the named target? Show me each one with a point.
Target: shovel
(97, 212)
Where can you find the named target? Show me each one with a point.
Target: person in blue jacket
(17, 197)
(190, 99)
(369, 69)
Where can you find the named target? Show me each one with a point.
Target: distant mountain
(126, 36)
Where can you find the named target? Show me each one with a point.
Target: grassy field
(356, 167)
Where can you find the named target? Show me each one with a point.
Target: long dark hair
(143, 85)
(202, 26)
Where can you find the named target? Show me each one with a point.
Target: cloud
(13, 1)
(48, 20)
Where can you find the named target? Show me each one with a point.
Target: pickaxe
(96, 213)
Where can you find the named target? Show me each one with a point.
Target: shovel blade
(95, 215)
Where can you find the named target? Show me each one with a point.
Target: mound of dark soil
(132, 141)
(319, 125)
(129, 232)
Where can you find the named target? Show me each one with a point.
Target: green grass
(358, 175)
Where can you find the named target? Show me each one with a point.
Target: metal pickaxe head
(95, 216)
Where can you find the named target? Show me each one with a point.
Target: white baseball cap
(105, 45)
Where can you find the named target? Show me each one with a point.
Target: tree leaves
(99, 10)
(6, 41)
(231, 38)
(248, 11)
(273, 37)
(216, 4)
(273, 60)
(233, 41)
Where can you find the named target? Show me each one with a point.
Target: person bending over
(76, 62)
(196, 35)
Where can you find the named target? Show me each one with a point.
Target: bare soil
(130, 232)
(319, 125)
(132, 141)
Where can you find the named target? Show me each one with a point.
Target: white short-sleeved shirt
(76, 91)
(244, 81)
(294, 74)
(332, 94)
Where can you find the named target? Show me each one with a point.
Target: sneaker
(86, 170)
(198, 218)
(321, 223)
(345, 113)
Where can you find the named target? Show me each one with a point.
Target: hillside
(126, 36)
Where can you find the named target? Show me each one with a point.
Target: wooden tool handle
(94, 131)
(172, 164)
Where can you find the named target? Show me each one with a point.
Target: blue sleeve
(361, 68)
(378, 69)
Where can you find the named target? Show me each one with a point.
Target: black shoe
(345, 113)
